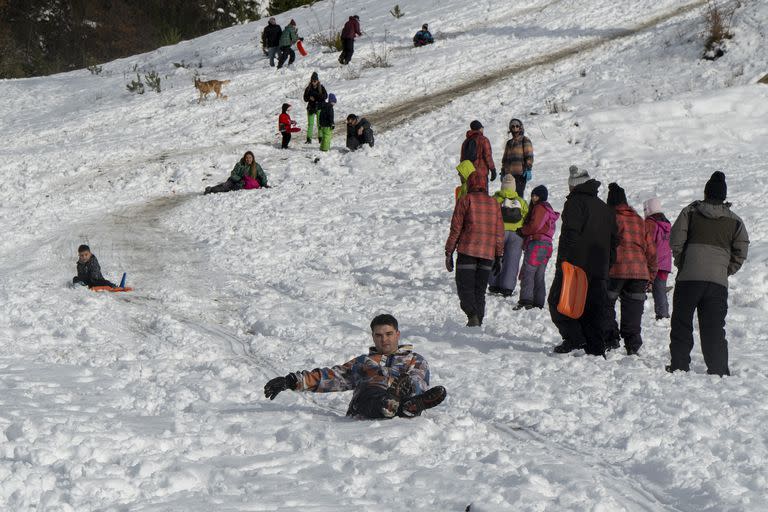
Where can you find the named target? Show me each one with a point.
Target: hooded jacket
(660, 227)
(484, 160)
(518, 155)
(588, 236)
(709, 242)
(500, 196)
(636, 253)
(372, 369)
(351, 28)
(289, 35)
(465, 168)
(477, 228)
(541, 222)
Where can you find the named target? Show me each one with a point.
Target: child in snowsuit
(538, 230)
(315, 95)
(423, 37)
(390, 380)
(660, 226)
(246, 174)
(635, 267)
(513, 211)
(326, 122)
(88, 269)
(286, 126)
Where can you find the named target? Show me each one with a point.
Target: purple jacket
(661, 229)
(540, 223)
(351, 29)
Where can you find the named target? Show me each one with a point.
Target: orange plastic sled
(300, 47)
(110, 289)
(573, 295)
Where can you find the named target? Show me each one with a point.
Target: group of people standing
(624, 255)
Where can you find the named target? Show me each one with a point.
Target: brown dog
(208, 87)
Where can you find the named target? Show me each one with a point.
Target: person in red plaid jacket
(391, 380)
(630, 275)
(477, 233)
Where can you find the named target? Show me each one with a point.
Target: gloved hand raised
(496, 268)
(449, 261)
(278, 384)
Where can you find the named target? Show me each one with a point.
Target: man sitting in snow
(423, 37)
(359, 132)
(391, 380)
(88, 269)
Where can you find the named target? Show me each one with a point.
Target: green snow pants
(312, 120)
(326, 134)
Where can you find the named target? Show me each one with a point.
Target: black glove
(449, 261)
(493, 174)
(496, 268)
(278, 384)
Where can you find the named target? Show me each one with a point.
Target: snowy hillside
(153, 401)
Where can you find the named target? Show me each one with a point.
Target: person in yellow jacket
(465, 168)
(513, 211)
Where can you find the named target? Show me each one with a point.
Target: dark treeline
(40, 37)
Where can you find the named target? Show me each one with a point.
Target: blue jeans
(271, 53)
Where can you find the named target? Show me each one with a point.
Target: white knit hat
(508, 182)
(577, 176)
(651, 206)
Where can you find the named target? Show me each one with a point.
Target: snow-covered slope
(153, 401)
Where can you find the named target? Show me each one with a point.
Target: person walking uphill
(270, 40)
(315, 95)
(326, 123)
(288, 38)
(513, 212)
(348, 34)
(477, 149)
(709, 243)
(538, 229)
(588, 239)
(477, 233)
(518, 156)
(660, 226)
(635, 267)
(391, 380)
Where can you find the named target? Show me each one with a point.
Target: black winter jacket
(326, 118)
(270, 38)
(318, 93)
(588, 234)
(89, 273)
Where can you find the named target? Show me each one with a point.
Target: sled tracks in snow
(391, 117)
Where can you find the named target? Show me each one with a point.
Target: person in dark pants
(288, 38)
(631, 274)
(245, 168)
(588, 239)
(286, 126)
(270, 40)
(390, 380)
(359, 132)
(518, 156)
(88, 270)
(477, 233)
(709, 243)
(348, 34)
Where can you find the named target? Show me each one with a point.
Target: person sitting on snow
(391, 380)
(423, 37)
(247, 174)
(359, 132)
(88, 269)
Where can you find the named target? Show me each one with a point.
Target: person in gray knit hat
(577, 177)
(709, 243)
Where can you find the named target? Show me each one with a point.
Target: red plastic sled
(300, 47)
(573, 295)
(111, 289)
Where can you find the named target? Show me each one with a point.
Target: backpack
(469, 150)
(511, 210)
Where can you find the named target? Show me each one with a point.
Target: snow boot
(473, 321)
(416, 404)
(566, 346)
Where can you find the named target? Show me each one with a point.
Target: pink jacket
(661, 229)
(541, 222)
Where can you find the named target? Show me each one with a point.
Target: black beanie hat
(616, 195)
(716, 188)
(314, 76)
(540, 191)
(286, 106)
